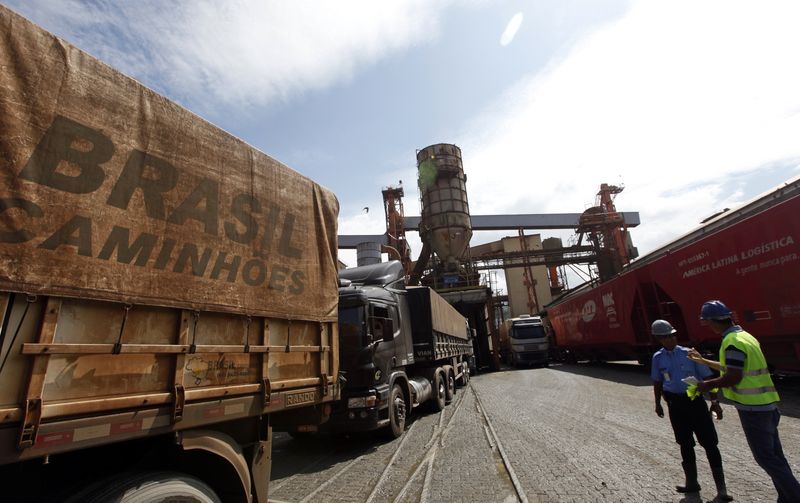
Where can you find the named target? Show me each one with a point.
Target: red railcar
(748, 257)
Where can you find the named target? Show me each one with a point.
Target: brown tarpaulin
(110, 191)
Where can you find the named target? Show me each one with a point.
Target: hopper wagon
(748, 257)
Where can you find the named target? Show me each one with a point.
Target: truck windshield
(528, 332)
(351, 327)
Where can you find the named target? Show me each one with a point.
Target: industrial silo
(368, 253)
(445, 222)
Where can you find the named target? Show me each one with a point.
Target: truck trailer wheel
(151, 487)
(450, 391)
(464, 379)
(397, 411)
(439, 398)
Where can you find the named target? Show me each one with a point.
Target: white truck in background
(524, 341)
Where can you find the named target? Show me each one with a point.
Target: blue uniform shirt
(669, 367)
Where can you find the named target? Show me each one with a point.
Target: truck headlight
(356, 402)
(360, 402)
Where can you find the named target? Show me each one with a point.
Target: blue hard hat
(714, 310)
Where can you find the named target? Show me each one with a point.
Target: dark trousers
(761, 431)
(691, 418)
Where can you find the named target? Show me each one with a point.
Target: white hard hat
(662, 328)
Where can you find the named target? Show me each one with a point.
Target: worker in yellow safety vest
(745, 380)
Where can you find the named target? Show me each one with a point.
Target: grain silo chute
(445, 221)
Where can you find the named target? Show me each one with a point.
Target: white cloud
(282, 47)
(671, 100)
(246, 51)
(511, 29)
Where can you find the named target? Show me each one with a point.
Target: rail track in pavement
(410, 466)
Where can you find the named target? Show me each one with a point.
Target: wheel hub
(399, 409)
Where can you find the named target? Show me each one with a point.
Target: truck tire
(464, 379)
(149, 487)
(397, 412)
(439, 397)
(450, 391)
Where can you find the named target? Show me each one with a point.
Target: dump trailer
(400, 347)
(167, 292)
(524, 341)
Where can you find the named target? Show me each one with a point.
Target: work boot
(719, 480)
(691, 486)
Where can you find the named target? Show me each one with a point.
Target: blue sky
(693, 105)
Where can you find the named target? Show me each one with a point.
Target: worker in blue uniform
(745, 380)
(689, 416)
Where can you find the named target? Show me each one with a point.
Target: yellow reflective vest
(756, 386)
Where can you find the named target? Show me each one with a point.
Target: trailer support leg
(260, 466)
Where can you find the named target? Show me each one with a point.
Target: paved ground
(572, 433)
(446, 456)
(589, 433)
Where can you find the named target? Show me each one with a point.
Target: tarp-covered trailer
(166, 291)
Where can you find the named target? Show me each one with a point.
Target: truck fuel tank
(421, 388)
